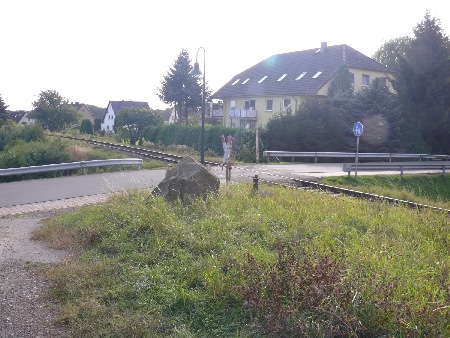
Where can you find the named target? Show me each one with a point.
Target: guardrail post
(401, 172)
(83, 167)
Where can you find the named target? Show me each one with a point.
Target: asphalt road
(52, 189)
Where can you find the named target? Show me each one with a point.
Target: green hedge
(243, 139)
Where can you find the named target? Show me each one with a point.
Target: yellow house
(283, 81)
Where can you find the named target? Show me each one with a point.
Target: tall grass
(431, 189)
(278, 263)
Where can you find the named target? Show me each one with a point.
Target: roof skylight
(315, 76)
(282, 77)
(235, 82)
(301, 75)
(262, 79)
(245, 81)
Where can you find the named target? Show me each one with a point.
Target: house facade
(282, 82)
(116, 106)
(84, 110)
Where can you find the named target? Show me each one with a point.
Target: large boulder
(188, 180)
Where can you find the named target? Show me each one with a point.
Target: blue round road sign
(358, 129)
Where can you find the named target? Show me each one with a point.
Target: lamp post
(196, 71)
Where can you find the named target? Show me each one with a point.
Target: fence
(316, 155)
(399, 166)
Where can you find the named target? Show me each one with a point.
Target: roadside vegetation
(274, 263)
(24, 146)
(427, 189)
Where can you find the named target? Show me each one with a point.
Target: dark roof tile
(293, 64)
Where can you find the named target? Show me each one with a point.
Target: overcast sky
(95, 51)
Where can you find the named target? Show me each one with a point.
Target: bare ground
(26, 310)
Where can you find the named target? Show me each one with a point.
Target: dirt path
(25, 308)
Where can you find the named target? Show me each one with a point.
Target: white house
(116, 106)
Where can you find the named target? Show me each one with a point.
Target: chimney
(323, 47)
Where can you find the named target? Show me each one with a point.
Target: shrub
(86, 127)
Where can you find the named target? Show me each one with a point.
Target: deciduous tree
(392, 51)
(131, 122)
(54, 112)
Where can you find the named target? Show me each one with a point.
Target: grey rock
(188, 180)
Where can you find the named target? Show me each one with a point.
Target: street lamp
(196, 71)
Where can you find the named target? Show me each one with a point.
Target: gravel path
(25, 308)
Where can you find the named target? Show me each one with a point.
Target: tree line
(409, 114)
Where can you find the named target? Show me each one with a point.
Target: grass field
(276, 263)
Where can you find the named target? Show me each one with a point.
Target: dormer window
(315, 76)
(281, 77)
(262, 79)
(245, 81)
(301, 75)
(235, 82)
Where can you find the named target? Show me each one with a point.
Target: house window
(286, 104)
(365, 80)
(247, 125)
(352, 78)
(249, 104)
(269, 105)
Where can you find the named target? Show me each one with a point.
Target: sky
(96, 51)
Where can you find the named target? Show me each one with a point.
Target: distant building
(21, 117)
(90, 112)
(113, 108)
(86, 114)
(165, 114)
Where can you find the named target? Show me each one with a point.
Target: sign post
(357, 131)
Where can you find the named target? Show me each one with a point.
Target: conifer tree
(423, 85)
(180, 88)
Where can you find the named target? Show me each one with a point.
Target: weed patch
(276, 264)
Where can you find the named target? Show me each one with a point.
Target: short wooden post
(228, 172)
(255, 183)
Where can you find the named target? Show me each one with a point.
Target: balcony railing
(243, 113)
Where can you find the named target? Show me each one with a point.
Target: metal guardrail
(316, 155)
(399, 166)
(71, 165)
